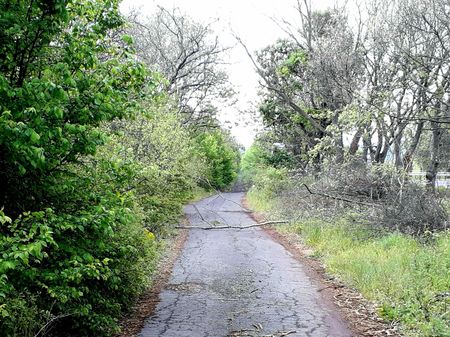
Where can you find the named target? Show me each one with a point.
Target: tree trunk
(433, 166)
(397, 151)
(338, 135)
(409, 155)
(354, 145)
(339, 147)
(383, 154)
(379, 145)
(367, 147)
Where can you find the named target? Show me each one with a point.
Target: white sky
(252, 21)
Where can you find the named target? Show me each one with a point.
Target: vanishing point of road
(238, 282)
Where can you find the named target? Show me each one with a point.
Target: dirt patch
(360, 314)
(133, 323)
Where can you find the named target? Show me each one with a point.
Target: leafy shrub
(88, 261)
(252, 161)
(258, 156)
(221, 159)
(269, 182)
(166, 165)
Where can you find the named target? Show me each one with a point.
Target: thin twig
(42, 330)
(340, 198)
(200, 214)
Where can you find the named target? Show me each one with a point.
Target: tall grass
(409, 280)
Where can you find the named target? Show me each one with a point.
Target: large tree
(190, 57)
(308, 79)
(407, 80)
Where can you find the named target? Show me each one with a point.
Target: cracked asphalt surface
(231, 282)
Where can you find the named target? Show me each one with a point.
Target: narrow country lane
(232, 282)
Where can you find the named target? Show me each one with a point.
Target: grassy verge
(408, 279)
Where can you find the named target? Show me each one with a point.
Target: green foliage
(252, 162)
(74, 239)
(166, 165)
(88, 260)
(295, 58)
(267, 183)
(83, 207)
(85, 260)
(221, 157)
(60, 76)
(264, 161)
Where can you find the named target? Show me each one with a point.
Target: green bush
(221, 159)
(261, 155)
(88, 260)
(84, 260)
(166, 166)
(268, 183)
(252, 161)
(74, 251)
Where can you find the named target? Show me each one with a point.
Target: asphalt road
(232, 282)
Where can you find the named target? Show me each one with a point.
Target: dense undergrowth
(406, 273)
(95, 166)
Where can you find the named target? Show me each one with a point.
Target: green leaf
(22, 170)
(59, 113)
(34, 137)
(127, 39)
(5, 265)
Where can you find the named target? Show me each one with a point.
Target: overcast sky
(252, 20)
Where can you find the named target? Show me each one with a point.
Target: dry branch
(340, 198)
(235, 227)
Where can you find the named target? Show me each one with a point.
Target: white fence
(442, 178)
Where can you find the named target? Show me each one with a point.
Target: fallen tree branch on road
(235, 227)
